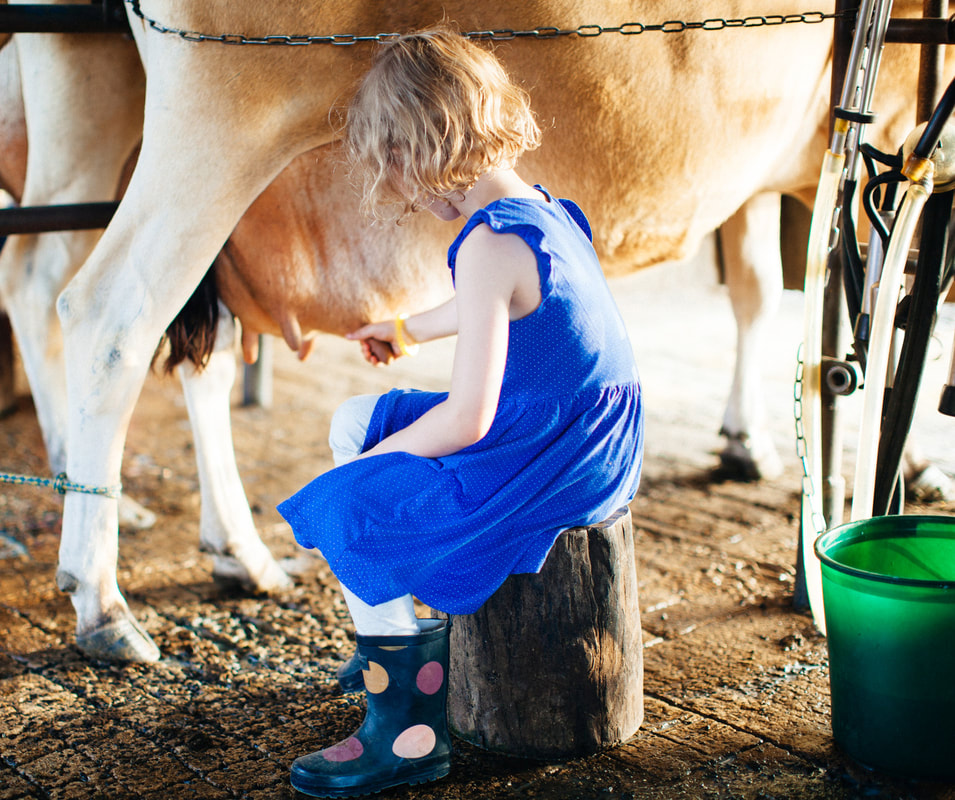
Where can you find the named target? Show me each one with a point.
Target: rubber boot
(349, 675)
(404, 737)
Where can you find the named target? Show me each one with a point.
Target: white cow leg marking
(226, 527)
(750, 240)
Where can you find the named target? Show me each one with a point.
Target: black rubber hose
(853, 272)
(928, 141)
(889, 179)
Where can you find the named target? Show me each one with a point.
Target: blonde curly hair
(433, 114)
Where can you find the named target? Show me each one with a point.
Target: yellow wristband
(404, 347)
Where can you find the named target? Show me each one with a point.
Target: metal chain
(542, 32)
(808, 486)
(62, 484)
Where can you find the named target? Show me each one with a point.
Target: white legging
(345, 437)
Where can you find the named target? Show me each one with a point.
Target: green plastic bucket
(888, 584)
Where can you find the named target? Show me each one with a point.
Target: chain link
(542, 32)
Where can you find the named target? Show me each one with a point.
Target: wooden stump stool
(551, 667)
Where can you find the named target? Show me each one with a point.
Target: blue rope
(62, 484)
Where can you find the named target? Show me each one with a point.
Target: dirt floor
(736, 682)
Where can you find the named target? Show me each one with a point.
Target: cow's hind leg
(750, 245)
(83, 109)
(226, 527)
(93, 85)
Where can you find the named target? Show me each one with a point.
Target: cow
(661, 137)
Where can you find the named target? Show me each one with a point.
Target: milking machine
(888, 290)
(881, 586)
(836, 181)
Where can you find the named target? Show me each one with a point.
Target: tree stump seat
(551, 667)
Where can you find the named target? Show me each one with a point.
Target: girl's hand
(379, 344)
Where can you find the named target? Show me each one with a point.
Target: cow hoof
(229, 571)
(121, 640)
(931, 485)
(303, 564)
(739, 460)
(134, 516)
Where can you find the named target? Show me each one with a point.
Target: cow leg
(226, 527)
(113, 314)
(750, 244)
(174, 218)
(83, 109)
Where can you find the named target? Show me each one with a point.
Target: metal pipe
(842, 42)
(931, 65)
(921, 31)
(832, 320)
(88, 18)
(858, 52)
(858, 95)
(45, 219)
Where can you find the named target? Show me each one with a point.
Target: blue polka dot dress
(565, 448)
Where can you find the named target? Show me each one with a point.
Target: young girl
(441, 496)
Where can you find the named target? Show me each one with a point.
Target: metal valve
(841, 377)
(943, 156)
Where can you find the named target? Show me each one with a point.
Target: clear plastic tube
(880, 343)
(817, 257)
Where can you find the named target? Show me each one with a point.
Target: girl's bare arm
(490, 269)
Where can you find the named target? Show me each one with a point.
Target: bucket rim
(895, 520)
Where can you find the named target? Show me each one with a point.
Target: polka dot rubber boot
(404, 737)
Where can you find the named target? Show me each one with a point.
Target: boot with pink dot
(404, 737)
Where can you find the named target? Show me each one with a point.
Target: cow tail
(192, 334)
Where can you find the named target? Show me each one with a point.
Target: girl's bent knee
(349, 426)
